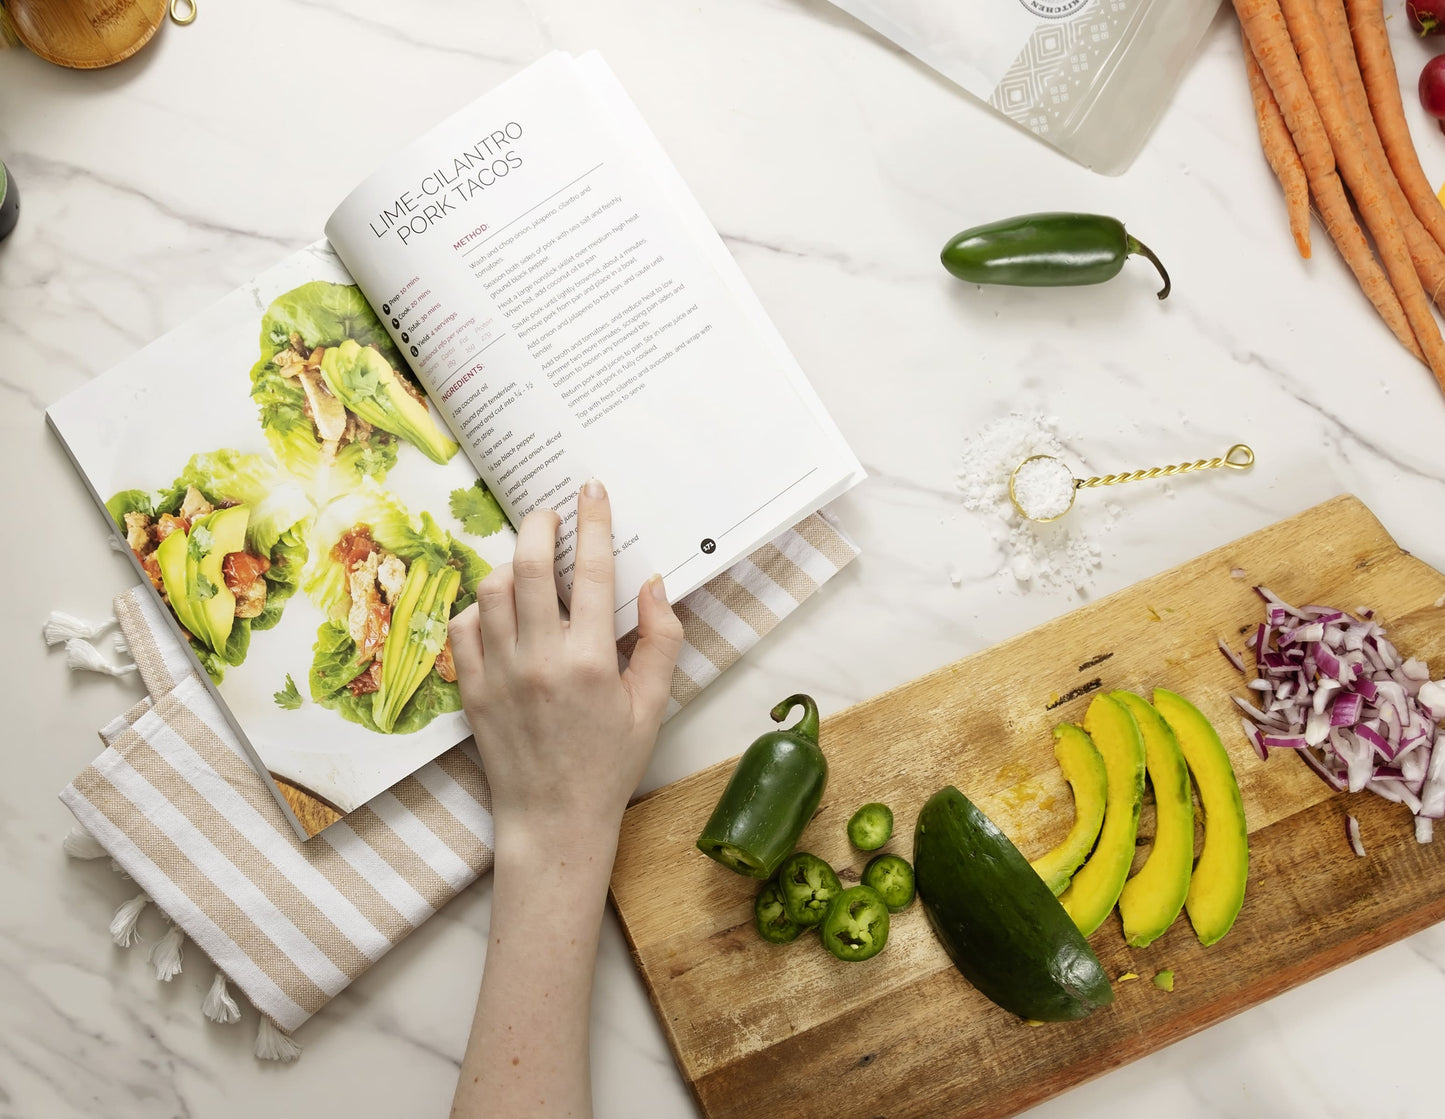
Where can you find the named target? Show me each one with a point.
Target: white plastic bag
(1090, 77)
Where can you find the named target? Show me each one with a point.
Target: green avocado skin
(1000, 925)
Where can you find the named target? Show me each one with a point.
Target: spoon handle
(1238, 457)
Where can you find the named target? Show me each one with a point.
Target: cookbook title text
(449, 187)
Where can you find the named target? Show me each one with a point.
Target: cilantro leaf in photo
(199, 541)
(477, 510)
(289, 697)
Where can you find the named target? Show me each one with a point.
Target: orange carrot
(1279, 150)
(1269, 41)
(1377, 67)
(1362, 175)
(1427, 256)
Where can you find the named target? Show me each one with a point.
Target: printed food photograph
(334, 395)
(309, 550)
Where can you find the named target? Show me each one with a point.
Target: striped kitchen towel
(174, 803)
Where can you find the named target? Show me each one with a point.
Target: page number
(708, 545)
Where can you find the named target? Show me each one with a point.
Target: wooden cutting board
(760, 1030)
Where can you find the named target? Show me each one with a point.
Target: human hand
(564, 737)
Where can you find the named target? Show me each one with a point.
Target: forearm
(528, 1050)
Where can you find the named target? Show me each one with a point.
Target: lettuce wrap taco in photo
(388, 584)
(225, 547)
(333, 389)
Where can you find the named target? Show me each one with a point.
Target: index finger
(592, 595)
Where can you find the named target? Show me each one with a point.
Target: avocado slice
(1097, 884)
(1083, 768)
(1216, 891)
(216, 604)
(365, 382)
(1153, 897)
(171, 556)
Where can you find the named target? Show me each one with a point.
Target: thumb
(659, 638)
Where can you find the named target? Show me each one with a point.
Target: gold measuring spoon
(1050, 486)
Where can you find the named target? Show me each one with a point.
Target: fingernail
(656, 589)
(594, 489)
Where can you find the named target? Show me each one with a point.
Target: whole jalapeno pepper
(856, 927)
(770, 919)
(808, 886)
(892, 877)
(771, 796)
(1046, 250)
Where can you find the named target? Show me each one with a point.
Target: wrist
(547, 843)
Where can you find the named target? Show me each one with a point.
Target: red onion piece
(1231, 656)
(1352, 833)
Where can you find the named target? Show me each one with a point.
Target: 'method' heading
(448, 188)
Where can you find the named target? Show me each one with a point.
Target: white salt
(1043, 488)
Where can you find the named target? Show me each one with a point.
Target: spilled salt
(1060, 555)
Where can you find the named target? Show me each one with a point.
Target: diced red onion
(1251, 732)
(1352, 833)
(1334, 690)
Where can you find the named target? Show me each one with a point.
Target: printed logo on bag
(1053, 9)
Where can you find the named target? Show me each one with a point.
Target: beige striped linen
(174, 802)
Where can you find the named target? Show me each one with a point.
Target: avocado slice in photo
(1097, 884)
(1083, 768)
(1216, 891)
(217, 605)
(171, 556)
(365, 382)
(1153, 897)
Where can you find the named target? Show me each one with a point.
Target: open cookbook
(315, 473)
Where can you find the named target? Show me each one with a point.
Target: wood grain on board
(313, 812)
(762, 1030)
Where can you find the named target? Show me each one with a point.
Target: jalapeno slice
(772, 922)
(808, 886)
(870, 827)
(892, 878)
(856, 927)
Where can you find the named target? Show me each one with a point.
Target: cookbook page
(573, 315)
(277, 521)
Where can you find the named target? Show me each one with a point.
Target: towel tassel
(219, 1005)
(82, 655)
(166, 955)
(272, 1044)
(123, 925)
(80, 844)
(61, 626)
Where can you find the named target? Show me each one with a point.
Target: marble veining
(834, 167)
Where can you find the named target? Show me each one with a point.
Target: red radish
(1426, 16)
(1432, 88)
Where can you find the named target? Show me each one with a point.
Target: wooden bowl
(86, 34)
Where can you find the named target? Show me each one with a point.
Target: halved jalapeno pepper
(771, 796)
(808, 886)
(856, 927)
(771, 920)
(892, 877)
(870, 827)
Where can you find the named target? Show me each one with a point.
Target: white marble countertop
(835, 167)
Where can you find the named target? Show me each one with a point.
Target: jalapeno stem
(1137, 247)
(807, 726)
